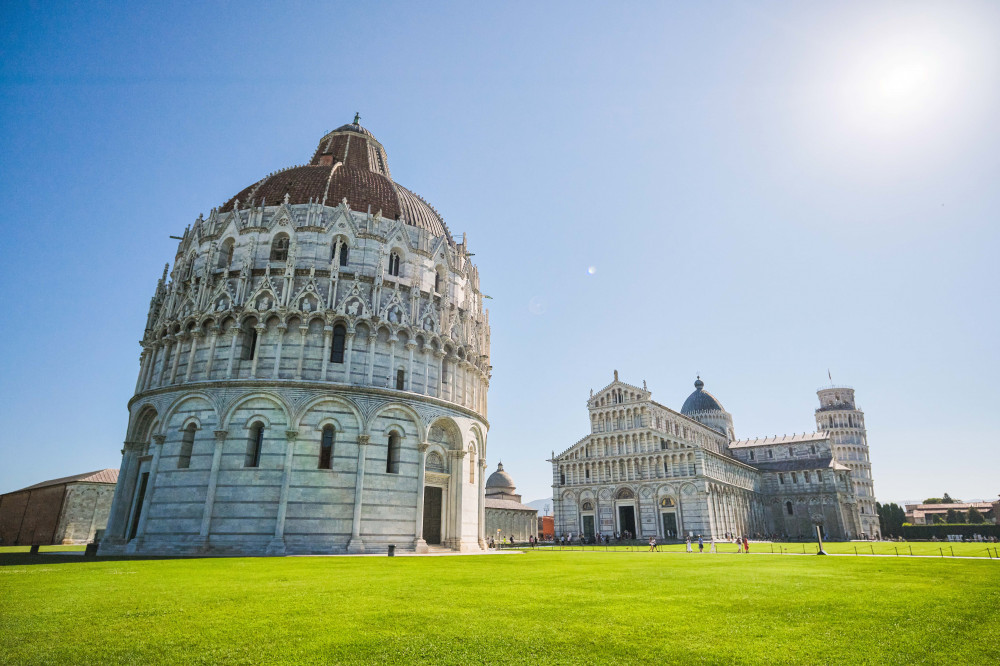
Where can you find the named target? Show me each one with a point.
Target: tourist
(687, 540)
(746, 545)
(712, 548)
(652, 544)
(701, 544)
(739, 546)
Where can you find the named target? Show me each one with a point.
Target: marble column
(277, 545)
(410, 346)
(258, 343)
(327, 350)
(210, 361)
(282, 328)
(195, 337)
(213, 482)
(303, 329)
(147, 501)
(356, 544)
(124, 493)
(482, 503)
(419, 545)
(181, 339)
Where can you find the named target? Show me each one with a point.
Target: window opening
(254, 446)
(392, 455)
(326, 448)
(187, 445)
(279, 248)
(337, 348)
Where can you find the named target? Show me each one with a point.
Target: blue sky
(764, 191)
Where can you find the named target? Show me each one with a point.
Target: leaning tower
(838, 415)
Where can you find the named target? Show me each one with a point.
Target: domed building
(648, 470)
(703, 407)
(313, 376)
(505, 515)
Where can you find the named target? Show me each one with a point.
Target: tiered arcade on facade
(313, 375)
(647, 470)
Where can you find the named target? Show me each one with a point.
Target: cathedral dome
(700, 401)
(500, 481)
(349, 163)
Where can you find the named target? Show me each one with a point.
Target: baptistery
(313, 375)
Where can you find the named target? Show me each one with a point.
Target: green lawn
(903, 549)
(541, 607)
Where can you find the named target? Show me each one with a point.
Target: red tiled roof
(348, 164)
(100, 476)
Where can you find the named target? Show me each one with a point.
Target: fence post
(872, 547)
(941, 550)
(952, 549)
(855, 550)
(911, 550)
(897, 550)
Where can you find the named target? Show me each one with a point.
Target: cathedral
(313, 374)
(647, 470)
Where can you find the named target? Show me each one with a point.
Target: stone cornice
(329, 387)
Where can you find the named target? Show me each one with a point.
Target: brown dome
(351, 164)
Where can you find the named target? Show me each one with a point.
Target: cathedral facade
(648, 470)
(313, 376)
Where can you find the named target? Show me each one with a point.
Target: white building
(313, 375)
(648, 470)
(506, 516)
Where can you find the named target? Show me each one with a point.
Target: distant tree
(890, 518)
(954, 516)
(975, 517)
(948, 500)
(937, 519)
(933, 500)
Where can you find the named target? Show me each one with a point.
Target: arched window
(437, 281)
(400, 379)
(187, 445)
(249, 342)
(226, 253)
(394, 263)
(788, 508)
(562, 478)
(444, 370)
(472, 466)
(254, 445)
(279, 248)
(337, 348)
(326, 448)
(392, 454)
(344, 254)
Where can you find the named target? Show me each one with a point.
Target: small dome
(701, 400)
(500, 480)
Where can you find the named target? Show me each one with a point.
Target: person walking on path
(701, 544)
(746, 546)
(712, 549)
(687, 541)
(739, 546)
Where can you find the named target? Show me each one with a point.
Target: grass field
(905, 549)
(540, 607)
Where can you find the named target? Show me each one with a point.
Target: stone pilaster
(419, 545)
(356, 544)
(277, 545)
